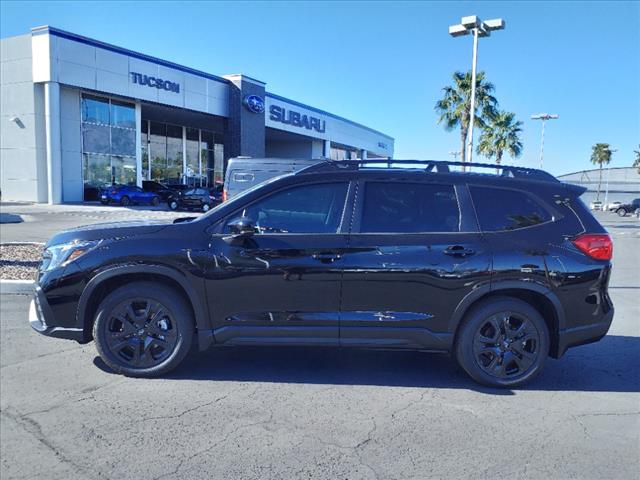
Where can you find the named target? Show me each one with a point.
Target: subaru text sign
(296, 119)
(254, 103)
(155, 82)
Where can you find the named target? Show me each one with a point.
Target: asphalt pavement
(260, 413)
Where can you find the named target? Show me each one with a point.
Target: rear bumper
(572, 337)
(41, 316)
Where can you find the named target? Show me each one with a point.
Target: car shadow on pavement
(611, 365)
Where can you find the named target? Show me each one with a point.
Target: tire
(155, 201)
(133, 342)
(501, 358)
(125, 201)
(206, 207)
(105, 202)
(621, 212)
(173, 205)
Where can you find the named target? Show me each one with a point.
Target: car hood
(113, 230)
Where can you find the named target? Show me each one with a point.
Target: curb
(16, 287)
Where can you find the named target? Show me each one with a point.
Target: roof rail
(439, 166)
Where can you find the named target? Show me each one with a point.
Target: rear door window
(500, 209)
(400, 207)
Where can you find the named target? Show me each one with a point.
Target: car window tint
(304, 209)
(409, 208)
(500, 209)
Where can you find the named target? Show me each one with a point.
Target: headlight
(65, 253)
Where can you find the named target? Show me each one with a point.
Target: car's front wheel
(143, 329)
(502, 342)
(125, 201)
(155, 201)
(621, 212)
(173, 205)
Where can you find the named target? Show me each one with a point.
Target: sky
(384, 64)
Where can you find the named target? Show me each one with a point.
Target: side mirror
(242, 227)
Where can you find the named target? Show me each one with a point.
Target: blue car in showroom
(127, 194)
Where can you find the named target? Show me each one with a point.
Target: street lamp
(544, 117)
(478, 28)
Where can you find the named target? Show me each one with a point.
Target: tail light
(596, 245)
(224, 195)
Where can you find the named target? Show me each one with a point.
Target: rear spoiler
(577, 190)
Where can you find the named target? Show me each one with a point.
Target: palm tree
(501, 134)
(601, 154)
(454, 107)
(636, 162)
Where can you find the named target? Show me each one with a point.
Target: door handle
(458, 251)
(326, 257)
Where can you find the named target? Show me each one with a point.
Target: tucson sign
(155, 82)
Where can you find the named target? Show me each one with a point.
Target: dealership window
(108, 143)
(166, 146)
(212, 155)
(340, 152)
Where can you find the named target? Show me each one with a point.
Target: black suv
(501, 270)
(200, 198)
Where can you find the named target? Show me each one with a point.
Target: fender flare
(205, 336)
(485, 289)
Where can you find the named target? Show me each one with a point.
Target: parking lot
(260, 413)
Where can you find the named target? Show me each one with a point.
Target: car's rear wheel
(503, 342)
(205, 207)
(143, 329)
(173, 205)
(124, 201)
(155, 201)
(621, 212)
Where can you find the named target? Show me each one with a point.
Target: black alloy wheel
(621, 212)
(155, 201)
(173, 205)
(143, 329)
(502, 342)
(506, 344)
(125, 201)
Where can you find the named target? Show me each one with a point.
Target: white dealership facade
(78, 114)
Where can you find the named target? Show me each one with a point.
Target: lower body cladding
(41, 319)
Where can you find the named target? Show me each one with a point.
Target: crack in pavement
(35, 430)
(211, 447)
(189, 410)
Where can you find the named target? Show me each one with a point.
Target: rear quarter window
(500, 209)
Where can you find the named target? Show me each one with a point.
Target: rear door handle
(458, 251)
(326, 257)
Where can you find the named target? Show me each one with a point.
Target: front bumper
(41, 317)
(572, 337)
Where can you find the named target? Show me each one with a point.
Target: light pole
(478, 28)
(544, 117)
(606, 190)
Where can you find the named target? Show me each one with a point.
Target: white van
(245, 172)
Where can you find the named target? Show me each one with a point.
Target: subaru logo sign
(254, 103)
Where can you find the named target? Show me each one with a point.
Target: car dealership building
(78, 114)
